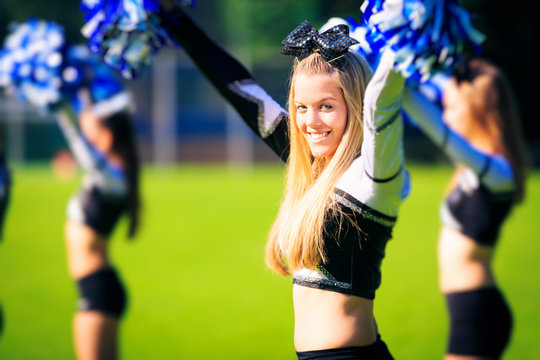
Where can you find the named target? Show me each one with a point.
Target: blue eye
(326, 107)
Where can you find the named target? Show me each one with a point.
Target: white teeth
(318, 136)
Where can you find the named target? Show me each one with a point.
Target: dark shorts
(480, 323)
(376, 351)
(102, 291)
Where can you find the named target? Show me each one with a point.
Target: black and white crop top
(104, 194)
(483, 197)
(369, 193)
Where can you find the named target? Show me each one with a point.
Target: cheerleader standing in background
(345, 181)
(94, 113)
(478, 129)
(105, 148)
(5, 188)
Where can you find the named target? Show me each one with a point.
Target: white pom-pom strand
(428, 36)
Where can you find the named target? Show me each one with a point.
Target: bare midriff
(86, 249)
(463, 263)
(327, 320)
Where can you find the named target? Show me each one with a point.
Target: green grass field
(198, 285)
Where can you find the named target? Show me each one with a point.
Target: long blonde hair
(296, 237)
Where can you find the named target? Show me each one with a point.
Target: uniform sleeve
(494, 171)
(258, 110)
(84, 154)
(382, 148)
(378, 179)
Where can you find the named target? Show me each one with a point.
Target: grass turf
(198, 285)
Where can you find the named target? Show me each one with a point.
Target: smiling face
(321, 112)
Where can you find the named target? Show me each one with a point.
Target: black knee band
(480, 323)
(102, 291)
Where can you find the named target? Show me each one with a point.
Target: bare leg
(467, 357)
(95, 336)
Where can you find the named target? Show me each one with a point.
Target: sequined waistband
(319, 278)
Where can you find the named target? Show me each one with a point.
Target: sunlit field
(196, 277)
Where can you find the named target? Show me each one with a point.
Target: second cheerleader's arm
(261, 113)
(84, 154)
(493, 170)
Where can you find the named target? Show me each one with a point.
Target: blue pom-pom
(31, 62)
(126, 33)
(85, 71)
(433, 88)
(38, 66)
(428, 36)
(359, 32)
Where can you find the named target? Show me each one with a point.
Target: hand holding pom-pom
(126, 33)
(427, 36)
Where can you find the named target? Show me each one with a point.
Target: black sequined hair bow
(305, 40)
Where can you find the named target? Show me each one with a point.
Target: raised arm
(85, 155)
(378, 177)
(382, 148)
(260, 112)
(494, 171)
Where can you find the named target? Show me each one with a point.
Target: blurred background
(182, 118)
(198, 285)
